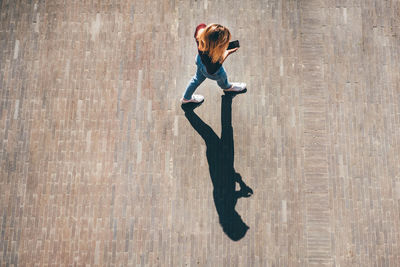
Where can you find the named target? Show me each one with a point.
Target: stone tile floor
(100, 166)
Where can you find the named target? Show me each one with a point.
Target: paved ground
(100, 166)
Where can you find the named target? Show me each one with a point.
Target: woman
(212, 43)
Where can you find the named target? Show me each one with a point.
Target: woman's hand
(228, 52)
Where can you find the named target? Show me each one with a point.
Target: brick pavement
(99, 166)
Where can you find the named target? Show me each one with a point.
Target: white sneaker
(195, 99)
(236, 87)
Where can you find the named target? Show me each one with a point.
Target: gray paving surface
(99, 165)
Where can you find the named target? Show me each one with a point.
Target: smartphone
(233, 44)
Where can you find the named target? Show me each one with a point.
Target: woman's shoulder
(200, 26)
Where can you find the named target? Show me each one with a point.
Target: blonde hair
(214, 40)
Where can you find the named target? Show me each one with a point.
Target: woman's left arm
(227, 53)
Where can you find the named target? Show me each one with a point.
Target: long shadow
(220, 157)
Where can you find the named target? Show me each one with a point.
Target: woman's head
(214, 40)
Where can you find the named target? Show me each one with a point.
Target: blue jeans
(201, 74)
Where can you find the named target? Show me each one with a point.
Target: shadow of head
(233, 225)
(225, 199)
